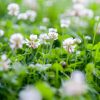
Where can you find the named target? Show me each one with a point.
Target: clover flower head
(33, 42)
(43, 38)
(80, 10)
(78, 76)
(88, 13)
(76, 85)
(4, 63)
(69, 44)
(13, 9)
(16, 41)
(31, 15)
(33, 37)
(30, 93)
(53, 35)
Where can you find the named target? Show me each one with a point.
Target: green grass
(49, 81)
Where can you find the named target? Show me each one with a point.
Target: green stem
(35, 56)
(51, 47)
(95, 33)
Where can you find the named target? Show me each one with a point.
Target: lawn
(49, 49)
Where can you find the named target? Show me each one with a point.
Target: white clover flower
(76, 11)
(80, 10)
(53, 35)
(74, 88)
(68, 45)
(70, 48)
(1, 33)
(32, 4)
(32, 42)
(31, 15)
(43, 38)
(88, 13)
(22, 16)
(16, 41)
(4, 63)
(85, 13)
(68, 42)
(65, 23)
(76, 85)
(33, 37)
(77, 76)
(13, 9)
(30, 93)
